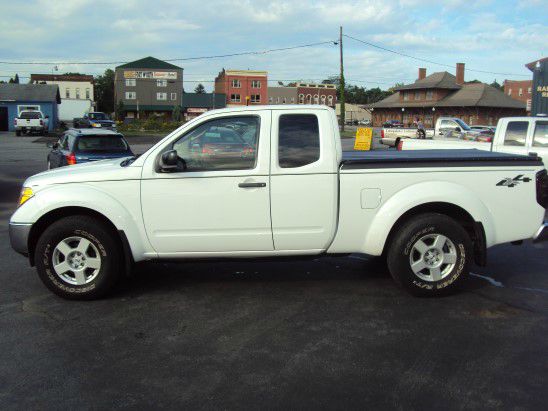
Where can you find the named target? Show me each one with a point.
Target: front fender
(423, 193)
(87, 195)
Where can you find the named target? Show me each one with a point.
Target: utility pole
(341, 80)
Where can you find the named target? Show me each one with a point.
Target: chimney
(422, 73)
(460, 73)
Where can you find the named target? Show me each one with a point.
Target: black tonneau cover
(434, 158)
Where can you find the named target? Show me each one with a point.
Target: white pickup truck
(273, 181)
(31, 121)
(449, 127)
(516, 135)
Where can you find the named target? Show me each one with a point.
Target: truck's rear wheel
(78, 257)
(18, 133)
(430, 255)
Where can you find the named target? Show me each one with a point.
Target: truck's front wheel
(78, 257)
(430, 255)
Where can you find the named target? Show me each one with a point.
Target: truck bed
(433, 158)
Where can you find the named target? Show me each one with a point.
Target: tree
(120, 110)
(497, 85)
(200, 89)
(104, 91)
(14, 80)
(176, 114)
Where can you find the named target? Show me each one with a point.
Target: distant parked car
(351, 122)
(31, 121)
(392, 124)
(85, 145)
(94, 119)
(484, 128)
(364, 123)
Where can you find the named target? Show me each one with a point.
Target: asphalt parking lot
(330, 333)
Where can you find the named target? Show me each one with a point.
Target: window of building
(131, 95)
(284, 100)
(161, 83)
(255, 83)
(195, 147)
(67, 92)
(417, 95)
(255, 98)
(235, 98)
(429, 94)
(270, 99)
(520, 92)
(316, 99)
(405, 96)
(130, 82)
(322, 98)
(77, 93)
(161, 96)
(516, 133)
(87, 94)
(292, 100)
(540, 138)
(301, 98)
(236, 83)
(298, 140)
(330, 100)
(509, 91)
(529, 90)
(308, 99)
(278, 100)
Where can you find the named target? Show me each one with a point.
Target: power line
(399, 53)
(244, 53)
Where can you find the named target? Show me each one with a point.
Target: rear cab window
(516, 133)
(540, 138)
(298, 140)
(30, 115)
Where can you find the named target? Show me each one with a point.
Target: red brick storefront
(243, 87)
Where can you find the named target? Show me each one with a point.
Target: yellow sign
(364, 136)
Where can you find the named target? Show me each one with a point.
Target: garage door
(4, 126)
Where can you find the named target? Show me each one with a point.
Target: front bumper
(19, 237)
(542, 233)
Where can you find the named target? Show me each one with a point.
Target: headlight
(26, 193)
(95, 125)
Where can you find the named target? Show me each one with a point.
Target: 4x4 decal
(512, 182)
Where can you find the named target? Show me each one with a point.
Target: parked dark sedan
(85, 145)
(392, 124)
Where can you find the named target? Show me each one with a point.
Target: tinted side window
(516, 133)
(540, 138)
(298, 140)
(227, 143)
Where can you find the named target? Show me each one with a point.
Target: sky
(488, 36)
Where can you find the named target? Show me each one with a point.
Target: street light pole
(341, 80)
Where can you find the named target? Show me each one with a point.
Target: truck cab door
(513, 137)
(217, 202)
(304, 180)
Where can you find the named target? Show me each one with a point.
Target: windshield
(30, 114)
(98, 116)
(462, 124)
(94, 143)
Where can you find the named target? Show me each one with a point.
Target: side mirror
(457, 129)
(169, 161)
(47, 116)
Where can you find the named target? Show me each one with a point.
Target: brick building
(282, 95)
(309, 93)
(521, 90)
(445, 95)
(148, 87)
(242, 87)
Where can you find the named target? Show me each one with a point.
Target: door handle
(251, 185)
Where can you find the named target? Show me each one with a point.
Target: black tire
(420, 230)
(18, 133)
(104, 241)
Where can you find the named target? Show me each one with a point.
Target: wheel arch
(475, 229)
